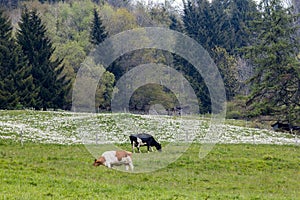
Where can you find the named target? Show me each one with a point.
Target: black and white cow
(143, 139)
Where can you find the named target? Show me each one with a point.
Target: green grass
(48, 171)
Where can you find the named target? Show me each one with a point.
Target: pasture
(41, 157)
(231, 171)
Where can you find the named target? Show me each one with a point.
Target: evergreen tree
(119, 4)
(175, 25)
(14, 77)
(9, 4)
(241, 13)
(97, 33)
(227, 66)
(221, 27)
(197, 21)
(276, 83)
(7, 97)
(50, 84)
(230, 22)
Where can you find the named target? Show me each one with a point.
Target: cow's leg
(109, 165)
(138, 146)
(139, 143)
(131, 166)
(132, 144)
(127, 167)
(151, 149)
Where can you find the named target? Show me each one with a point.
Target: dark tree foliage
(196, 81)
(221, 26)
(227, 68)
(214, 24)
(197, 25)
(276, 83)
(141, 101)
(9, 4)
(51, 1)
(221, 23)
(97, 33)
(15, 79)
(242, 12)
(7, 90)
(5, 28)
(119, 3)
(49, 82)
(188, 71)
(197, 21)
(176, 24)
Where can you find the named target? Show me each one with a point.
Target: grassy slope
(41, 171)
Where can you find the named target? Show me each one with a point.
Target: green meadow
(229, 171)
(42, 157)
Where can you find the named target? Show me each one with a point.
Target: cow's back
(144, 136)
(110, 156)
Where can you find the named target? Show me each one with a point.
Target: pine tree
(241, 13)
(221, 27)
(227, 66)
(230, 22)
(197, 22)
(7, 98)
(276, 83)
(50, 85)
(9, 4)
(175, 23)
(14, 77)
(197, 25)
(97, 33)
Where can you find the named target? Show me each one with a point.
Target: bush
(236, 109)
(234, 114)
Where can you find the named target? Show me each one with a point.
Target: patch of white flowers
(77, 128)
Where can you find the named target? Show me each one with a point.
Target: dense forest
(254, 45)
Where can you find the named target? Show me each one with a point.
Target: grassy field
(229, 171)
(42, 157)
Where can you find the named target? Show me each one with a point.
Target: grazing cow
(285, 127)
(281, 126)
(111, 158)
(143, 139)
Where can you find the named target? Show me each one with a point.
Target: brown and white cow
(111, 158)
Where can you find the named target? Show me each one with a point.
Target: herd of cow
(121, 157)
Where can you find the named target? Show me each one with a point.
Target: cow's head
(158, 147)
(99, 161)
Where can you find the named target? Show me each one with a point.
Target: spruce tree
(50, 85)
(97, 33)
(197, 21)
(15, 79)
(276, 82)
(241, 13)
(190, 26)
(6, 97)
(221, 27)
